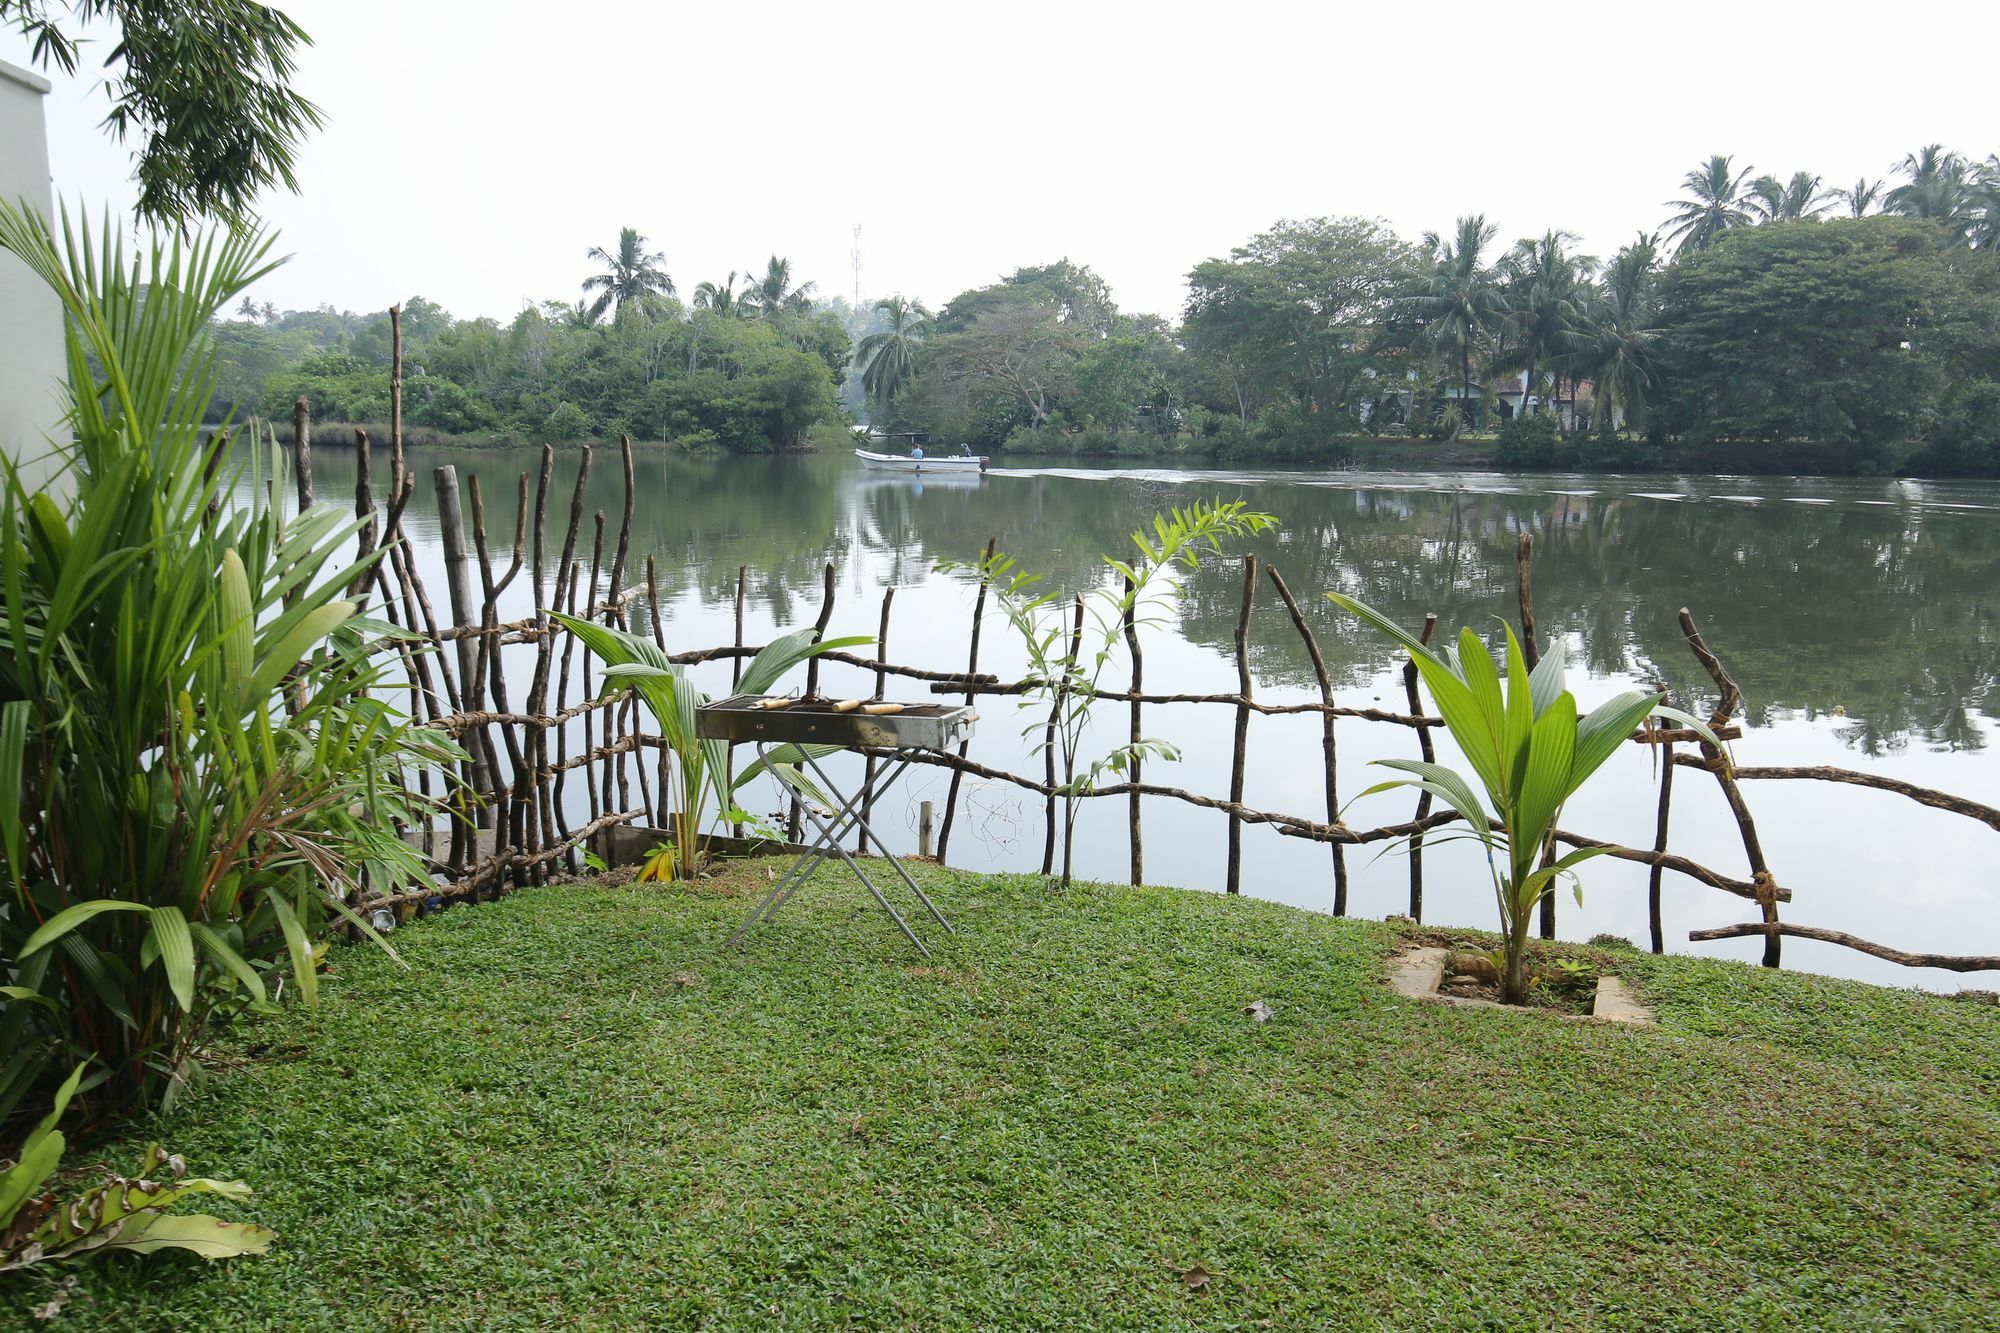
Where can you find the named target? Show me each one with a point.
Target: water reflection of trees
(1883, 614)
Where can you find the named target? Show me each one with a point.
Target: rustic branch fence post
(1428, 749)
(302, 461)
(881, 682)
(1137, 734)
(1717, 762)
(1328, 749)
(971, 697)
(1240, 747)
(795, 818)
(1656, 870)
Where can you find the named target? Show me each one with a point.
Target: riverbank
(580, 1106)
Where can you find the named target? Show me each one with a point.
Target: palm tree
(775, 293)
(724, 299)
(1796, 200)
(1863, 195)
(1544, 289)
(1935, 188)
(889, 358)
(1618, 349)
(632, 276)
(1456, 302)
(1713, 205)
(1985, 198)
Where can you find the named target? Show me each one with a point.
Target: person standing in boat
(917, 451)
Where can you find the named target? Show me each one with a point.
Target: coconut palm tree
(1713, 205)
(1456, 302)
(889, 358)
(724, 299)
(1618, 346)
(1543, 290)
(1859, 197)
(1935, 188)
(1796, 200)
(631, 277)
(774, 292)
(1985, 191)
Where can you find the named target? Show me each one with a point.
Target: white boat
(962, 464)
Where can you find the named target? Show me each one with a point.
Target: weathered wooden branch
(1948, 962)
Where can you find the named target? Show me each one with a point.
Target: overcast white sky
(474, 152)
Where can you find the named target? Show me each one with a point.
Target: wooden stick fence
(512, 825)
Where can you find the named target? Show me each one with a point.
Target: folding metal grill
(903, 729)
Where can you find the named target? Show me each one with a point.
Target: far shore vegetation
(1768, 324)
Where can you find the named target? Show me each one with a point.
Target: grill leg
(830, 841)
(801, 869)
(882, 785)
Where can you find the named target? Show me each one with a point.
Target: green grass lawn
(581, 1107)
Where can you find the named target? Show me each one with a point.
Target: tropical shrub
(192, 771)
(1529, 752)
(1532, 440)
(699, 772)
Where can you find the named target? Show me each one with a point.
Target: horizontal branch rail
(1937, 800)
(1948, 962)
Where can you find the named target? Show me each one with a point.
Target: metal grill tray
(927, 726)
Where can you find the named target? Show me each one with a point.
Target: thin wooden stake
(881, 683)
(302, 458)
(1429, 752)
(796, 817)
(1328, 749)
(1049, 751)
(1240, 750)
(1753, 848)
(1135, 834)
(1665, 756)
(971, 694)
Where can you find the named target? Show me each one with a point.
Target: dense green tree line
(749, 370)
(1770, 323)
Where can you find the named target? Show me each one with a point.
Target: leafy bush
(1966, 440)
(566, 422)
(192, 772)
(1530, 441)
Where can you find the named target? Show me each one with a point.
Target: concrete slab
(1616, 1003)
(1417, 972)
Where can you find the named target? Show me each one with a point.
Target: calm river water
(1860, 617)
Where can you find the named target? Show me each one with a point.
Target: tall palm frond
(1935, 188)
(774, 293)
(631, 277)
(889, 359)
(725, 299)
(1456, 302)
(1544, 290)
(1713, 204)
(1859, 197)
(1796, 200)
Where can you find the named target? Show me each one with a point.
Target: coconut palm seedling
(1529, 752)
(700, 768)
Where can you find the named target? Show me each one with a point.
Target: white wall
(31, 359)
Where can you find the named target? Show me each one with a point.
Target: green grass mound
(581, 1107)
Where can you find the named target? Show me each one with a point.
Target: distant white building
(31, 351)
